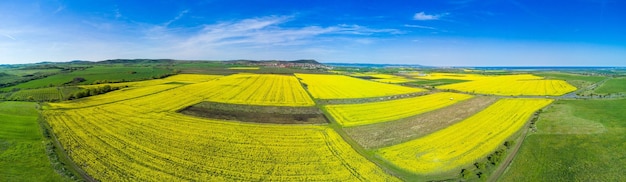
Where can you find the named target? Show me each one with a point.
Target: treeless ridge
(391, 133)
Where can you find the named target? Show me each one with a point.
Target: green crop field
(22, 153)
(42, 94)
(116, 73)
(580, 81)
(8, 75)
(576, 140)
(615, 85)
(49, 94)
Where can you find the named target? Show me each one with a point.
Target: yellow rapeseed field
(376, 112)
(115, 96)
(454, 76)
(343, 87)
(128, 84)
(464, 142)
(191, 78)
(513, 85)
(384, 78)
(252, 89)
(182, 78)
(144, 139)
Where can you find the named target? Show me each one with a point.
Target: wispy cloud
(180, 15)
(420, 26)
(118, 15)
(423, 16)
(59, 9)
(257, 36)
(8, 36)
(266, 31)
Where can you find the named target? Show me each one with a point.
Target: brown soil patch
(257, 114)
(395, 132)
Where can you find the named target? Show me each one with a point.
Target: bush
(480, 165)
(509, 144)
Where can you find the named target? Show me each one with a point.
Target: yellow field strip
(345, 87)
(376, 112)
(465, 142)
(252, 89)
(524, 84)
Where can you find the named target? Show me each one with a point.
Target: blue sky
(427, 32)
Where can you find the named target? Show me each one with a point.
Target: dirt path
(507, 161)
(63, 155)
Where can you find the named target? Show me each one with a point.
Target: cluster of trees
(164, 75)
(494, 159)
(92, 92)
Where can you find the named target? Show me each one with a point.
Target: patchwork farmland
(283, 127)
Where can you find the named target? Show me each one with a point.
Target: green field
(12, 75)
(115, 73)
(576, 140)
(579, 81)
(22, 153)
(49, 94)
(615, 85)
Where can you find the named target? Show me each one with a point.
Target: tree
(508, 144)
(106, 88)
(480, 175)
(466, 174)
(78, 80)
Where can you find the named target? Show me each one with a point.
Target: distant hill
(371, 65)
(136, 61)
(243, 61)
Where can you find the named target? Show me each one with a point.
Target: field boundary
(370, 156)
(503, 167)
(373, 99)
(59, 151)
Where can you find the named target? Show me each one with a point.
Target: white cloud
(266, 32)
(420, 26)
(423, 16)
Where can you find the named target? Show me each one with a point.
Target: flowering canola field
(143, 139)
(385, 78)
(345, 87)
(114, 143)
(252, 89)
(376, 112)
(466, 141)
(454, 76)
(512, 85)
(115, 96)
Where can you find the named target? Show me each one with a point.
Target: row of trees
(494, 159)
(92, 92)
